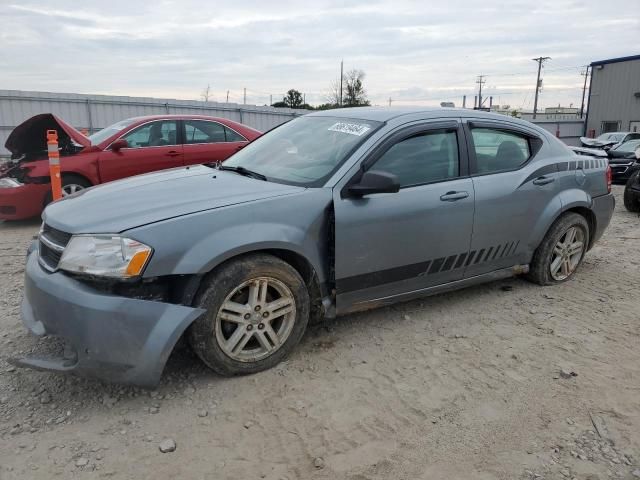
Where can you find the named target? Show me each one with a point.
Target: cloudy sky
(414, 52)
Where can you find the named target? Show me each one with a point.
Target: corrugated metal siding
(569, 131)
(612, 95)
(94, 112)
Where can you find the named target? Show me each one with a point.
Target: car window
(424, 158)
(233, 136)
(200, 131)
(497, 150)
(154, 134)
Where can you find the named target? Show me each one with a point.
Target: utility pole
(480, 82)
(271, 99)
(304, 98)
(227, 96)
(245, 95)
(464, 101)
(584, 89)
(390, 100)
(540, 61)
(341, 75)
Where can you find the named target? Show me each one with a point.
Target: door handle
(172, 153)
(453, 196)
(543, 180)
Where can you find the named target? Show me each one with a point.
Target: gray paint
(612, 95)
(388, 247)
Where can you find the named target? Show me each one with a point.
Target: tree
(279, 105)
(354, 92)
(206, 93)
(293, 99)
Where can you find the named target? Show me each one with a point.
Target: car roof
(384, 114)
(146, 118)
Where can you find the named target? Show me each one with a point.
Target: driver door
(390, 244)
(152, 146)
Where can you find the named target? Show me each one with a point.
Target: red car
(129, 147)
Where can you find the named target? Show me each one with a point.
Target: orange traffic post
(54, 164)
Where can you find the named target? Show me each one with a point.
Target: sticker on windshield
(350, 128)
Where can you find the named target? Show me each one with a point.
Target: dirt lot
(503, 381)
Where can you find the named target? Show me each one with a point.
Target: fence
(569, 131)
(95, 112)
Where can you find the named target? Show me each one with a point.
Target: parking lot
(501, 381)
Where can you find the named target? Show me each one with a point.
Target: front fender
(197, 243)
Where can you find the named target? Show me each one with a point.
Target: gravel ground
(507, 380)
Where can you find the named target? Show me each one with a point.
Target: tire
(72, 183)
(219, 337)
(541, 266)
(632, 199)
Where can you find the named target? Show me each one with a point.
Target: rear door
(151, 146)
(514, 188)
(394, 243)
(207, 141)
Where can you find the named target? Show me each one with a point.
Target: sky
(412, 52)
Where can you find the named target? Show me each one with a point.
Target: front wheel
(561, 251)
(257, 311)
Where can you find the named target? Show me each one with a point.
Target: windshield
(629, 146)
(105, 133)
(304, 151)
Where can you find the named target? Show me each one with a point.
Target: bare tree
(206, 93)
(332, 97)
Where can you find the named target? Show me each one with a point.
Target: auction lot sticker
(350, 128)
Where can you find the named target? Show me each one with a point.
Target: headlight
(9, 183)
(105, 256)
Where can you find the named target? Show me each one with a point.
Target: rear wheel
(562, 250)
(631, 198)
(257, 311)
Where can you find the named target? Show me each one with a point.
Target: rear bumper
(118, 339)
(622, 172)
(602, 207)
(22, 202)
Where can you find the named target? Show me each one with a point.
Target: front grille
(51, 245)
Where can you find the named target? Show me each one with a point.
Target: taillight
(609, 178)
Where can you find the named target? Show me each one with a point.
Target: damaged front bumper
(113, 338)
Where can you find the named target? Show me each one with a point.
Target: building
(614, 96)
(553, 113)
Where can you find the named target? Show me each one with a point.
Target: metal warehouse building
(614, 96)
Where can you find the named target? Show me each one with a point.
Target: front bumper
(118, 339)
(602, 207)
(23, 202)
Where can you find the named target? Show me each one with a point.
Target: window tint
(152, 134)
(424, 158)
(497, 150)
(233, 136)
(202, 131)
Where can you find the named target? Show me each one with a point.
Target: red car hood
(31, 135)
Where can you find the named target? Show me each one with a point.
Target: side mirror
(119, 144)
(375, 181)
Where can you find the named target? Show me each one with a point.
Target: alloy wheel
(567, 253)
(255, 319)
(71, 188)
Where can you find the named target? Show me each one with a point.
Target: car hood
(595, 143)
(124, 204)
(31, 135)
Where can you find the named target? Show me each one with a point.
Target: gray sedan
(330, 213)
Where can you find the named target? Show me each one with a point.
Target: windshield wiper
(243, 171)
